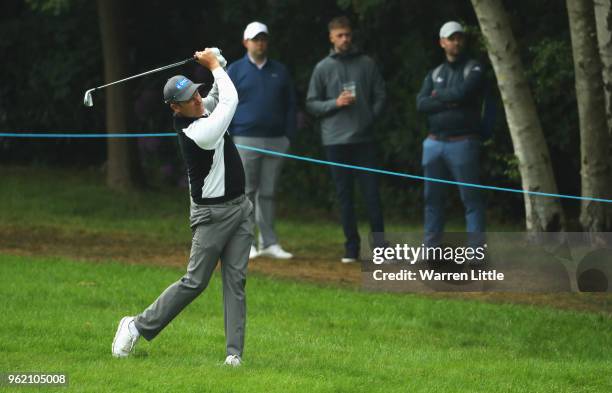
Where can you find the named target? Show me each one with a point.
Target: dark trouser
(364, 155)
(458, 160)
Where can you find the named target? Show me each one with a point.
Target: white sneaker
(275, 251)
(233, 360)
(349, 257)
(125, 338)
(253, 253)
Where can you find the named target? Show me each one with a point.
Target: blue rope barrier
(317, 161)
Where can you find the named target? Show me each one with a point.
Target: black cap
(179, 88)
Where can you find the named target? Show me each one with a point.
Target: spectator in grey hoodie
(347, 92)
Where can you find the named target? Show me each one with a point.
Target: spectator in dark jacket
(451, 97)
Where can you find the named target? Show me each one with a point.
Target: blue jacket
(267, 106)
(455, 107)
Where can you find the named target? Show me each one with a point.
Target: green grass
(78, 200)
(61, 315)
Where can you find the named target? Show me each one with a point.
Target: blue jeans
(358, 154)
(459, 161)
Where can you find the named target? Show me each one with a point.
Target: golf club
(88, 99)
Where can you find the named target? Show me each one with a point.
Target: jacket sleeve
(208, 131)
(316, 102)
(379, 92)
(291, 114)
(425, 102)
(463, 90)
(211, 100)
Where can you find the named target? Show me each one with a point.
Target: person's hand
(345, 99)
(207, 58)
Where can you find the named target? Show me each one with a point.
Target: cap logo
(182, 83)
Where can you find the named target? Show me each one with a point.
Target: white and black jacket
(213, 165)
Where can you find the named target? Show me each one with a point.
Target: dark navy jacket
(267, 106)
(454, 108)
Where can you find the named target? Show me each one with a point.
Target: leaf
(54, 7)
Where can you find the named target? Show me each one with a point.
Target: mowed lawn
(61, 315)
(39, 200)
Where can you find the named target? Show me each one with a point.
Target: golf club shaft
(148, 72)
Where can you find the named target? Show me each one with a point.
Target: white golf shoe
(253, 253)
(233, 360)
(125, 338)
(275, 251)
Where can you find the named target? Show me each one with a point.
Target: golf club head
(88, 99)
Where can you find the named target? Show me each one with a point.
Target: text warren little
(432, 275)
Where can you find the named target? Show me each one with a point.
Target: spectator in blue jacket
(451, 96)
(265, 119)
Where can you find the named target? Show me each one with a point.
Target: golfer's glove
(220, 58)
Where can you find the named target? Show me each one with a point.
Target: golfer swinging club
(221, 217)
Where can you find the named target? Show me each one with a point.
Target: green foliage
(55, 55)
(54, 7)
(361, 7)
(551, 76)
(53, 58)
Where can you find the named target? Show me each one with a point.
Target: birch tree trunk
(543, 214)
(603, 19)
(594, 137)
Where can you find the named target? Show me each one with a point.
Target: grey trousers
(262, 173)
(224, 232)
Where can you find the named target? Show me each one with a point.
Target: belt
(452, 138)
(235, 201)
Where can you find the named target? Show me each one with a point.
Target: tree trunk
(603, 17)
(542, 213)
(121, 164)
(594, 137)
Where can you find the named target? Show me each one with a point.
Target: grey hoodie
(350, 124)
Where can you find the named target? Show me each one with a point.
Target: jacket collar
(458, 61)
(248, 59)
